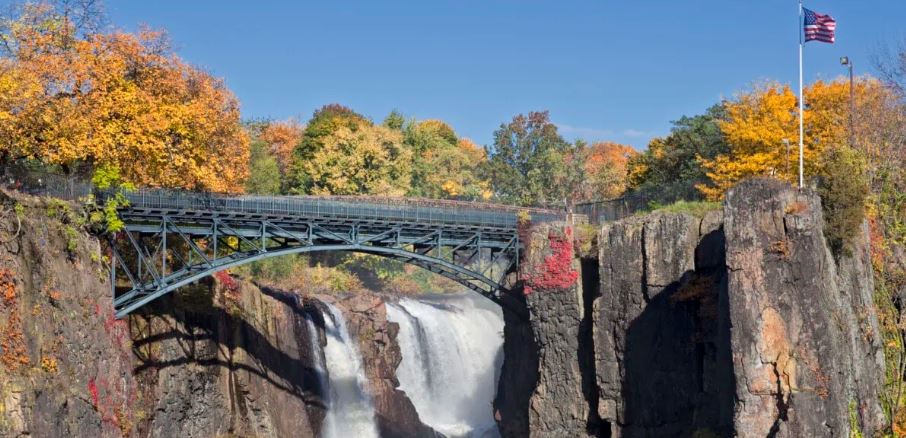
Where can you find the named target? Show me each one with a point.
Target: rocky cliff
(740, 323)
(228, 359)
(736, 323)
(661, 341)
(219, 358)
(66, 366)
(806, 350)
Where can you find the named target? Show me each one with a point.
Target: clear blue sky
(607, 70)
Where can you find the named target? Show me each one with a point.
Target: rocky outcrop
(65, 362)
(229, 360)
(551, 372)
(366, 319)
(661, 336)
(519, 372)
(806, 351)
(738, 323)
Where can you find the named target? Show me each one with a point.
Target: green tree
(264, 172)
(670, 168)
(395, 120)
(843, 186)
(528, 160)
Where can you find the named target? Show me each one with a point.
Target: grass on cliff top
(695, 208)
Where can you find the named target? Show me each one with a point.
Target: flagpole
(801, 129)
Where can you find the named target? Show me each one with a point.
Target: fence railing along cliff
(431, 210)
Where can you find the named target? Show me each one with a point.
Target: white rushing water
(451, 348)
(350, 412)
(315, 346)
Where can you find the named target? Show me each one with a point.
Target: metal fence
(320, 207)
(612, 209)
(45, 184)
(340, 207)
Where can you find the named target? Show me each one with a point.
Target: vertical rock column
(660, 337)
(553, 291)
(806, 353)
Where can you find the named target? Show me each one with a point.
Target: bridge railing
(341, 207)
(320, 207)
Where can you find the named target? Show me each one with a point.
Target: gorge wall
(737, 323)
(219, 358)
(740, 323)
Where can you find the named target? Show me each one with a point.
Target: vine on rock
(556, 271)
(13, 351)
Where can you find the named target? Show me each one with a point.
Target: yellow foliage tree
(444, 166)
(119, 100)
(368, 159)
(762, 130)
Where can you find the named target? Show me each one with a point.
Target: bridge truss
(170, 240)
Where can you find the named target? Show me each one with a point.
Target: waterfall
(315, 346)
(350, 412)
(451, 347)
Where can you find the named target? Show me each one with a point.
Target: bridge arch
(171, 240)
(125, 304)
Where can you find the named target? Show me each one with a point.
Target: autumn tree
(119, 100)
(882, 131)
(527, 160)
(343, 153)
(444, 165)
(606, 168)
(761, 129)
(281, 137)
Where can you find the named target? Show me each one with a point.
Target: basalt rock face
(738, 323)
(65, 362)
(231, 359)
(661, 339)
(547, 379)
(366, 319)
(806, 353)
(519, 373)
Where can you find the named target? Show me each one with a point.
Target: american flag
(819, 27)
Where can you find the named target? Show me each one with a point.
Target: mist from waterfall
(452, 354)
(350, 411)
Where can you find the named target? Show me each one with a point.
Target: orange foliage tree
(116, 100)
(606, 169)
(281, 138)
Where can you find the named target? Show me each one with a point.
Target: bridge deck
(378, 210)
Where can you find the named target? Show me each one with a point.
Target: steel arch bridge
(171, 239)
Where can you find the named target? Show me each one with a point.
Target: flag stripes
(818, 27)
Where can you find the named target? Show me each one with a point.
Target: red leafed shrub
(93, 390)
(228, 282)
(115, 401)
(116, 328)
(556, 272)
